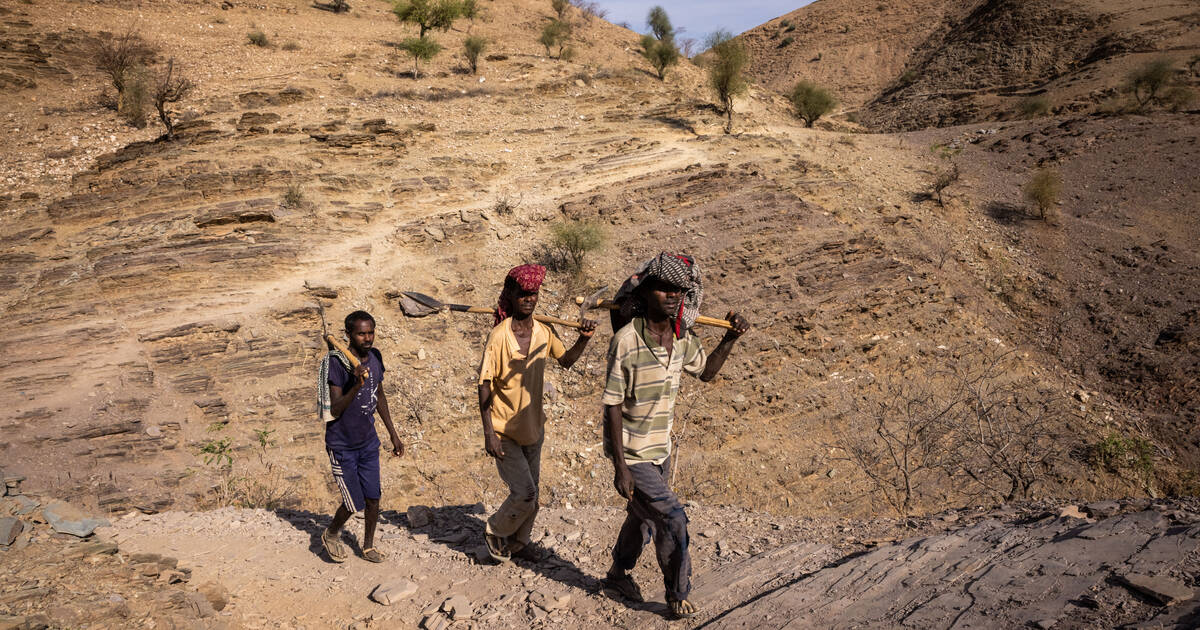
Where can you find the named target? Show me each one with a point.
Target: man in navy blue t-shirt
(350, 439)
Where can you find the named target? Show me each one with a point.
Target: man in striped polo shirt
(645, 360)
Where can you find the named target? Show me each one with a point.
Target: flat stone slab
(991, 574)
(390, 593)
(1163, 590)
(68, 519)
(10, 528)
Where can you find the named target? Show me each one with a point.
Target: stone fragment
(436, 621)
(710, 533)
(389, 593)
(68, 519)
(154, 431)
(435, 233)
(9, 529)
(458, 607)
(1163, 590)
(32, 622)
(216, 594)
(419, 516)
(549, 601)
(1103, 509)
(95, 548)
(1071, 511)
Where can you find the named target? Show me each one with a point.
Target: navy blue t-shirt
(355, 428)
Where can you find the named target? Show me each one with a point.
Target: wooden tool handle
(333, 342)
(554, 320)
(700, 319)
(463, 308)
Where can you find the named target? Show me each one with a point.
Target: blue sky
(701, 17)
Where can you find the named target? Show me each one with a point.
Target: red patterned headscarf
(524, 277)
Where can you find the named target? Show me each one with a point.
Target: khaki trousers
(520, 469)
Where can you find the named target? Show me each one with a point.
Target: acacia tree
(660, 49)
(556, 34)
(421, 49)
(725, 67)
(428, 14)
(810, 102)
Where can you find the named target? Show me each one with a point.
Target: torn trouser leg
(656, 513)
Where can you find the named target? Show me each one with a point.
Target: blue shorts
(356, 472)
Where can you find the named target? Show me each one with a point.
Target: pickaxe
(598, 301)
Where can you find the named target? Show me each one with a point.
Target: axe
(598, 301)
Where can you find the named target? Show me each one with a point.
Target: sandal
(371, 554)
(624, 586)
(681, 609)
(497, 547)
(333, 547)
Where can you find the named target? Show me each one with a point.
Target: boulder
(68, 519)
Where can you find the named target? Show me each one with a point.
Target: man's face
(663, 298)
(362, 335)
(524, 302)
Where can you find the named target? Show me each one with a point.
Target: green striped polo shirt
(644, 381)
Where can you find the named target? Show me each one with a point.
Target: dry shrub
(170, 88)
(942, 180)
(1034, 106)
(258, 38)
(473, 47)
(1043, 190)
(975, 427)
(570, 243)
(133, 101)
(118, 56)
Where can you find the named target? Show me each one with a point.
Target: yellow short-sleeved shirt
(517, 380)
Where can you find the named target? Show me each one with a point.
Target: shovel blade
(415, 304)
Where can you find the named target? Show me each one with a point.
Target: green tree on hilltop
(660, 48)
(728, 60)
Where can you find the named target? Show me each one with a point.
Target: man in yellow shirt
(510, 403)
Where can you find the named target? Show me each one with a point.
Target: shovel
(419, 305)
(593, 302)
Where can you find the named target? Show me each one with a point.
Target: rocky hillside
(939, 64)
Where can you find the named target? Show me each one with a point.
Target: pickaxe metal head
(591, 302)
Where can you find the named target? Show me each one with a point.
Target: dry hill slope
(948, 63)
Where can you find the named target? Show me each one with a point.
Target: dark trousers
(655, 513)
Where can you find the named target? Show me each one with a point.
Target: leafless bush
(170, 88)
(134, 98)
(590, 10)
(973, 426)
(892, 436)
(506, 205)
(117, 56)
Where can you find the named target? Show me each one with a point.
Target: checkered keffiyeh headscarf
(525, 277)
(680, 270)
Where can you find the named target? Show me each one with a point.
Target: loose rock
(68, 519)
(389, 593)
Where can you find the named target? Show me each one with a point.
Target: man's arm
(717, 359)
(491, 441)
(622, 478)
(587, 328)
(338, 401)
(386, 415)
